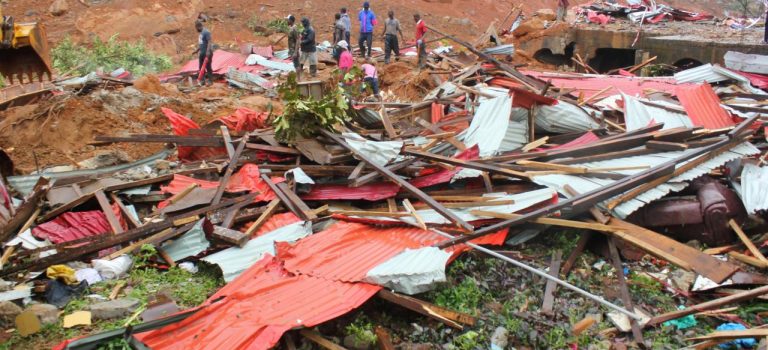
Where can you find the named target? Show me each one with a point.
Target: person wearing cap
(345, 59)
(338, 29)
(293, 42)
(205, 50)
(308, 48)
(421, 45)
(347, 27)
(371, 77)
(391, 29)
(367, 21)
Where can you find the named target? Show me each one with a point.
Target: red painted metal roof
(445, 175)
(583, 140)
(346, 251)
(247, 179)
(258, 307)
(273, 223)
(591, 85)
(222, 60)
(703, 106)
(757, 80)
(521, 97)
(370, 192)
(70, 226)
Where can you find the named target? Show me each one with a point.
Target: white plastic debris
(89, 275)
(113, 269)
(188, 266)
(300, 176)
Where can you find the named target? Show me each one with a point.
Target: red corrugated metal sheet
(259, 306)
(521, 97)
(438, 112)
(445, 175)
(73, 225)
(346, 251)
(370, 192)
(757, 80)
(263, 51)
(591, 85)
(181, 126)
(273, 223)
(222, 60)
(247, 179)
(703, 106)
(583, 140)
(244, 119)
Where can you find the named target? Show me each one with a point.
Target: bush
(2, 82)
(69, 57)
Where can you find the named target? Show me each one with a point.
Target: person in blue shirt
(367, 21)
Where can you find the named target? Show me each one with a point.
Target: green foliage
(464, 297)
(2, 82)
(186, 288)
(115, 344)
(362, 329)
(108, 56)
(306, 116)
(144, 255)
(279, 25)
(469, 341)
(557, 338)
(649, 291)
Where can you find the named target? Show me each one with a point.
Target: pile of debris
(305, 230)
(637, 12)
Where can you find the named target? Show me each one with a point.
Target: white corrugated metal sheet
(189, 244)
(565, 117)
(448, 89)
(754, 188)
(380, 152)
(749, 63)
(233, 261)
(489, 125)
(411, 272)
(708, 73)
(516, 136)
(638, 115)
(585, 184)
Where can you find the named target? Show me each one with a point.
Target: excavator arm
(24, 51)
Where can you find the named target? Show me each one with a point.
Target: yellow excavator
(24, 51)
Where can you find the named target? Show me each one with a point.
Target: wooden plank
(10, 249)
(406, 185)
(372, 213)
(385, 340)
(318, 339)
(411, 210)
(576, 252)
(230, 169)
(160, 236)
(452, 140)
(308, 214)
(746, 333)
(356, 173)
(263, 218)
(666, 146)
(749, 260)
(163, 254)
(132, 221)
(391, 132)
(448, 317)
(549, 290)
(604, 156)
(227, 141)
(230, 236)
(114, 223)
(269, 148)
(596, 213)
(364, 179)
(709, 305)
(747, 242)
(467, 164)
(535, 144)
(626, 298)
(26, 210)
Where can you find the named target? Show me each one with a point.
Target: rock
(351, 342)
(528, 27)
(465, 22)
(682, 279)
(8, 313)
(162, 164)
(500, 338)
(148, 84)
(46, 313)
(545, 14)
(59, 7)
(105, 159)
(114, 308)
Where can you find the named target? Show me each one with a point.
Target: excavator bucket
(27, 56)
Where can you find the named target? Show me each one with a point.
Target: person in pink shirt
(371, 77)
(345, 59)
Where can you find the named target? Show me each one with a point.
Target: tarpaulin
(253, 311)
(70, 226)
(445, 175)
(244, 119)
(181, 126)
(247, 179)
(703, 106)
(370, 192)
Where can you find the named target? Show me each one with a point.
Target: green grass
(72, 58)
(464, 297)
(362, 329)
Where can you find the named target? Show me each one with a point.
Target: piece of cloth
(338, 31)
(391, 45)
(203, 40)
(365, 42)
(373, 83)
(208, 62)
(345, 61)
(63, 272)
(369, 71)
(59, 293)
(308, 43)
(421, 29)
(391, 26)
(743, 343)
(367, 20)
(293, 38)
(308, 57)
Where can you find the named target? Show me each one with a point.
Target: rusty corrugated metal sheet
(253, 311)
(703, 106)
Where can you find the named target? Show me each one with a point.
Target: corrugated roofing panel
(489, 125)
(253, 311)
(703, 106)
(565, 117)
(233, 261)
(591, 84)
(754, 188)
(380, 152)
(222, 60)
(515, 137)
(708, 73)
(583, 140)
(411, 272)
(638, 115)
(248, 178)
(371, 192)
(750, 63)
(189, 244)
(70, 226)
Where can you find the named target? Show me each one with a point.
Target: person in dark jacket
(308, 48)
(293, 42)
(339, 30)
(205, 51)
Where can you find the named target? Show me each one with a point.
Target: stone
(117, 308)
(104, 159)
(59, 7)
(529, 27)
(351, 342)
(500, 338)
(8, 312)
(46, 313)
(545, 14)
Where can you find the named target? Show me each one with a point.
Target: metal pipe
(545, 275)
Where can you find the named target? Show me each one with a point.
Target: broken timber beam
(230, 169)
(450, 318)
(549, 290)
(467, 164)
(26, 210)
(405, 184)
(709, 305)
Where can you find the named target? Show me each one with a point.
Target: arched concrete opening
(608, 58)
(687, 63)
(546, 55)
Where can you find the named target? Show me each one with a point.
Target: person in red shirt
(421, 44)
